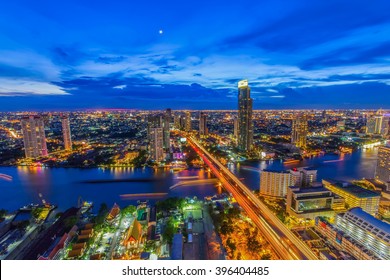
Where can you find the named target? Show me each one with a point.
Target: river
(64, 186)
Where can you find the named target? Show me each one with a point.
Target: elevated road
(285, 243)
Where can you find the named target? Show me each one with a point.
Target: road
(285, 243)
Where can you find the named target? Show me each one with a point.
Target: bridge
(284, 242)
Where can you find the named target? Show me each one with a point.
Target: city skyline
(296, 55)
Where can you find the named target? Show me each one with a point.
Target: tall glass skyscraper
(245, 124)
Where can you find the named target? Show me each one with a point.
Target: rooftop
(353, 189)
(357, 211)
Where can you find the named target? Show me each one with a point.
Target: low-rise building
(355, 196)
(308, 203)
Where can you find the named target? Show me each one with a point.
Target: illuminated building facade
(378, 125)
(354, 196)
(276, 183)
(34, 137)
(66, 133)
(156, 138)
(188, 125)
(245, 123)
(235, 128)
(299, 131)
(382, 172)
(166, 128)
(370, 232)
(308, 203)
(203, 124)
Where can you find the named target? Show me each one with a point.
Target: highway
(285, 243)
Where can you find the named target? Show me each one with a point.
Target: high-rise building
(382, 172)
(245, 123)
(34, 137)
(355, 196)
(309, 176)
(235, 128)
(378, 125)
(156, 138)
(299, 131)
(66, 132)
(168, 113)
(276, 183)
(188, 126)
(177, 121)
(203, 124)
(166, 128)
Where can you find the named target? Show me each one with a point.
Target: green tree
(129, 210)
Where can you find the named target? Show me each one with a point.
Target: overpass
(285, 243)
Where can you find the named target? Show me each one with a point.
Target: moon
(160, 31)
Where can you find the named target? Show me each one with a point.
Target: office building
(354, 196)
(34, 137)
(308, 203)
(156, 138)
(177, 121)
(203, 124)
(245, 123)
(235, 128)
(382, 171)
(188, 124)
(299, 131)
(166, 129)
(377, 125)
(66, 133)
(359, 234)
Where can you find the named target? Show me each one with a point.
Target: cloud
(26, 87)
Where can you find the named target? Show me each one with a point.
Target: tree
(70, 221)
(169, 231)
(253, 245)
(266, 256)
(129, 210)
(3, 212)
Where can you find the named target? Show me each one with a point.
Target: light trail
(287, 245)
(193, 182)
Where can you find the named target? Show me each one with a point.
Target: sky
(77, 54)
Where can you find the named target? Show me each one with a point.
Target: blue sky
(66, 55)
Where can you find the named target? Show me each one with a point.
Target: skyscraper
(156, 138)
(34, 136)
(166, 124)
(299, 131)
(66, 133)
(188, 126)
(203, 124)
(235, 128)
(245, 124)
(377, 124)
(382, 172)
